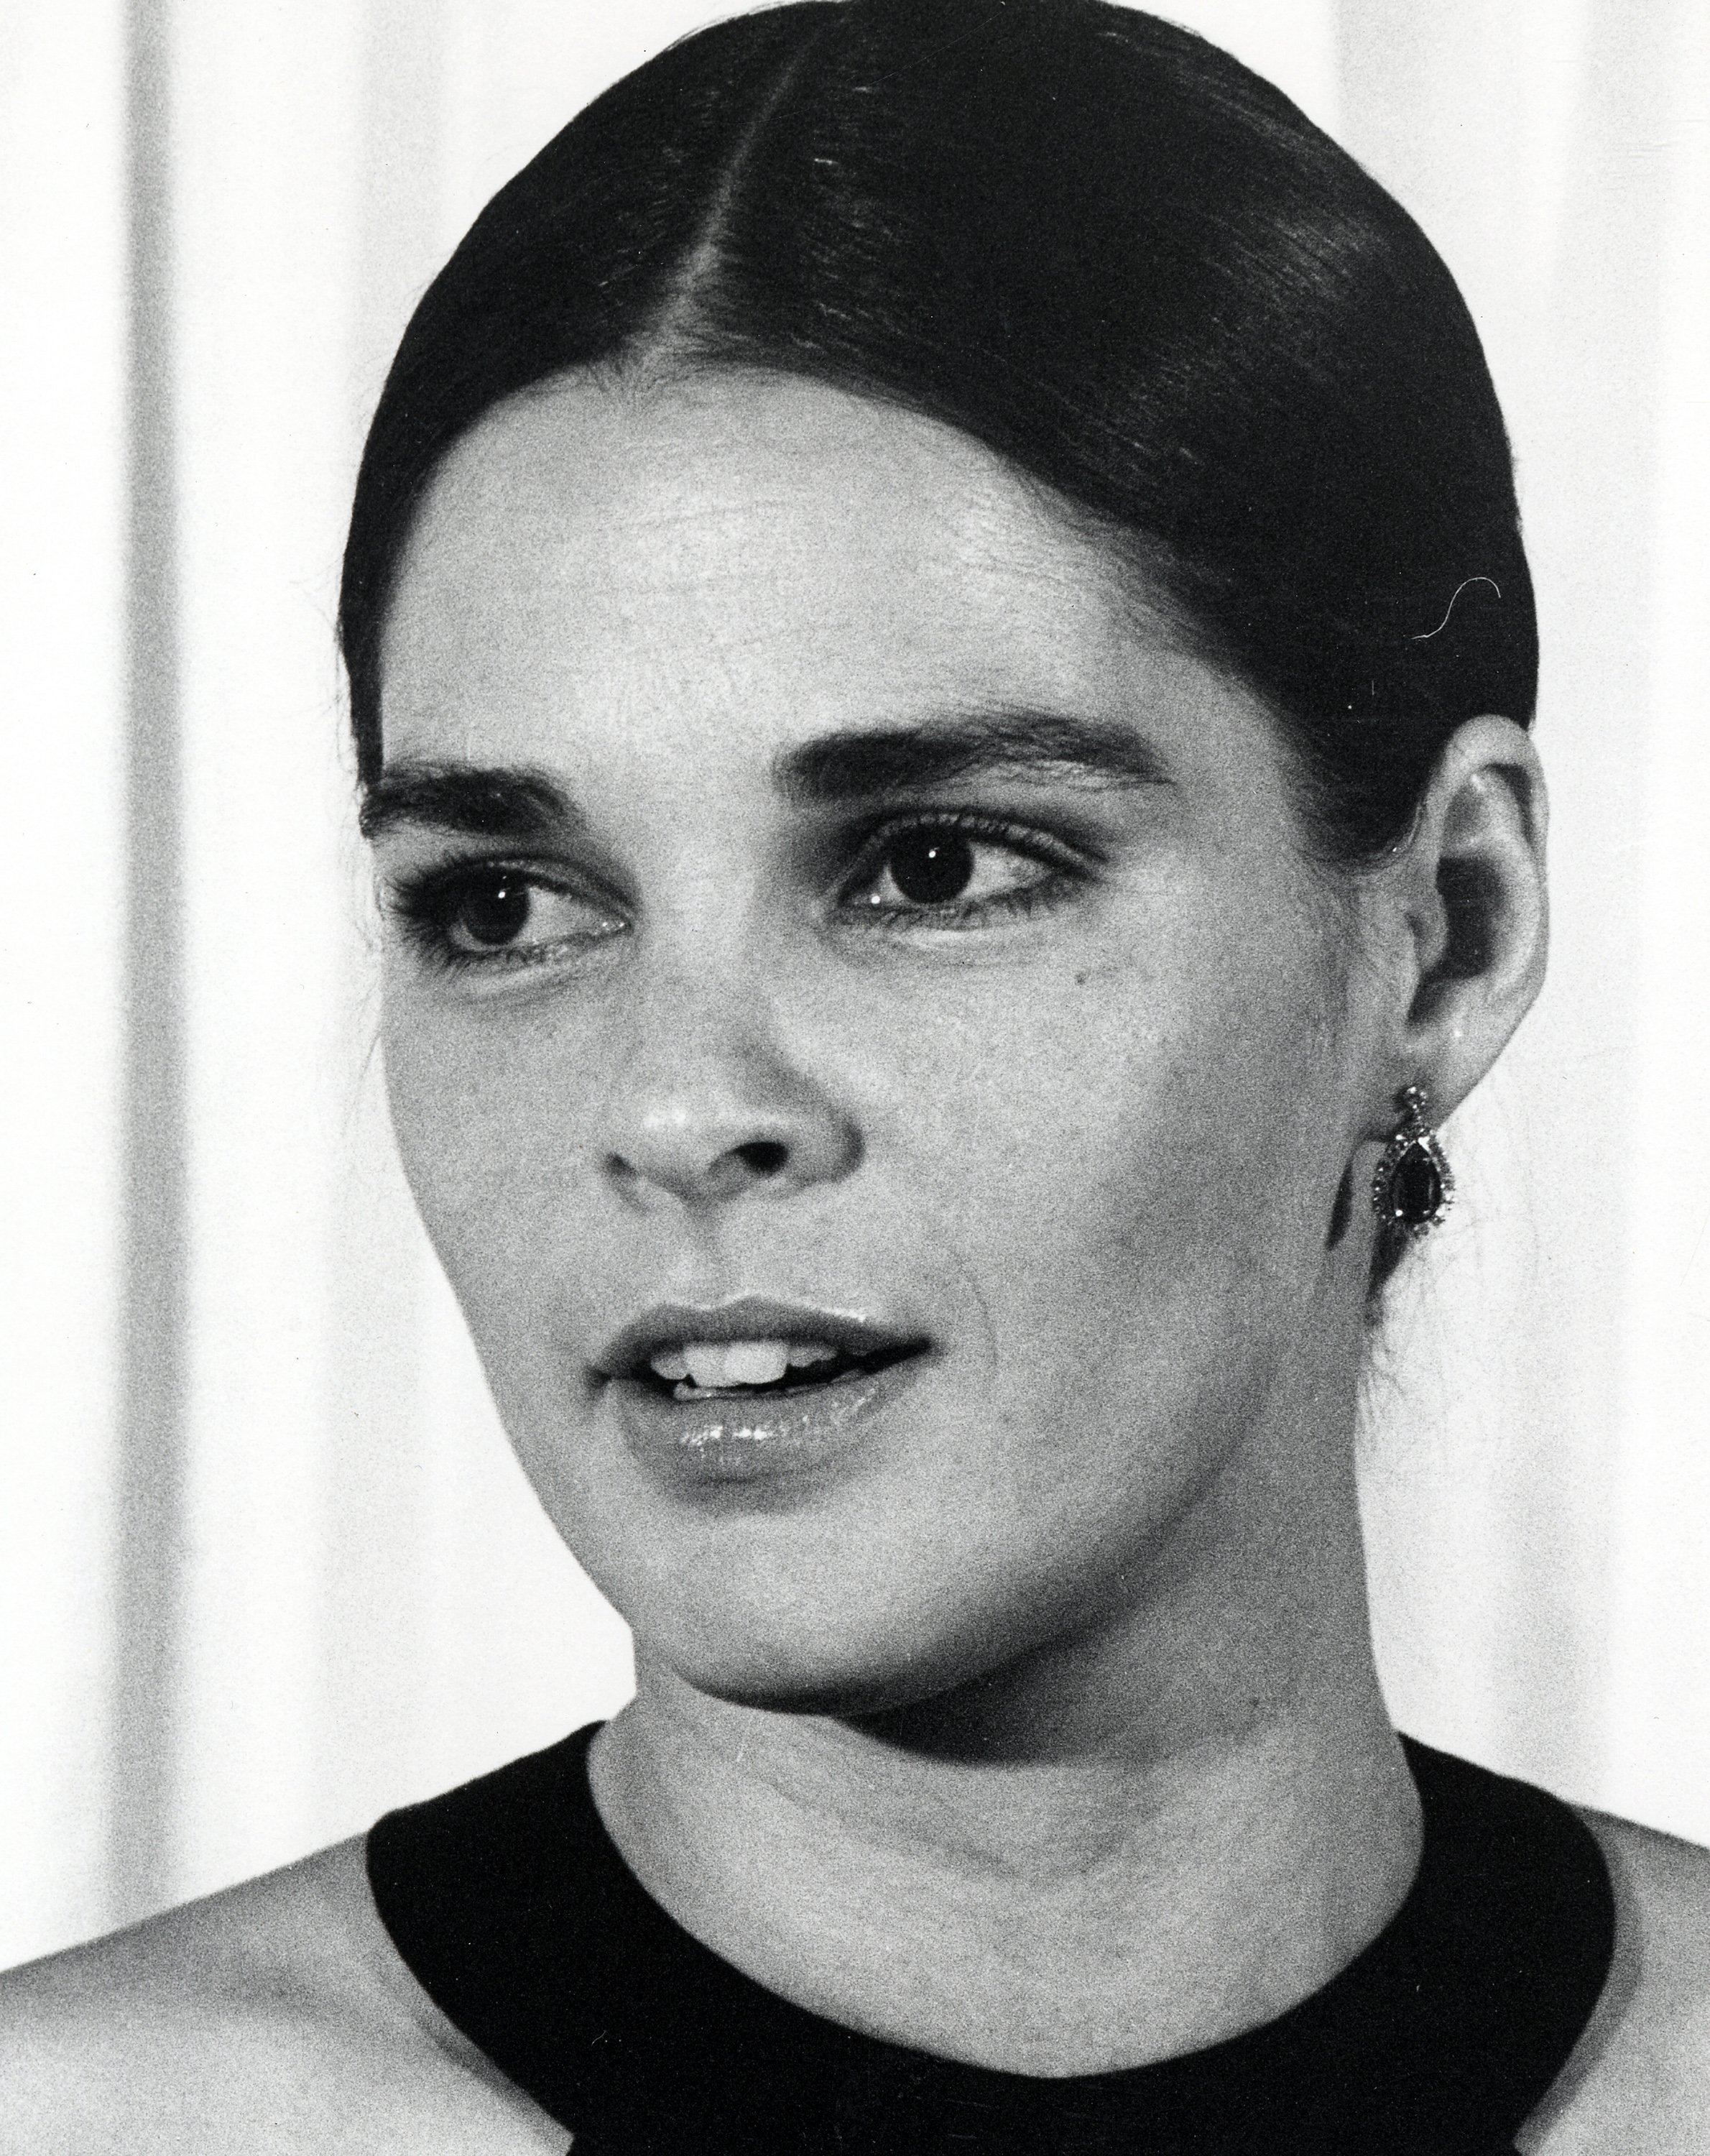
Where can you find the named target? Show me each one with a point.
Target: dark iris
(930, 868)
(494, 912)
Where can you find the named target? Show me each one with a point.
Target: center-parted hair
(1093, 242)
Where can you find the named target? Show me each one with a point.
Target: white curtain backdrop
(265, 1565)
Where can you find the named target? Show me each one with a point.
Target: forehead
(747, 561)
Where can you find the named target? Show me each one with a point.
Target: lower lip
(732, 1440)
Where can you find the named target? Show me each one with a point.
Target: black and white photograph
(858, 1229)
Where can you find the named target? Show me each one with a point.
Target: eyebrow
(1046, 746)
(523, 806)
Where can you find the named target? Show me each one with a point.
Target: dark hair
(1091, 241)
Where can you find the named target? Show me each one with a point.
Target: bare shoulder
(1641, 2077)
(274, 2017)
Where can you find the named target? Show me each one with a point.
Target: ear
(1464, 917)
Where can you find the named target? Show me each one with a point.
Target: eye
(490, 912)
(953, 871)
(494, 914)
(931, 868)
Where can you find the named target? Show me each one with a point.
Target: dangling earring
(1413, 1188)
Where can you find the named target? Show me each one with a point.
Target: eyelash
(424, 902)
(1067, 869)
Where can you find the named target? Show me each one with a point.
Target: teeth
(736, 1362)
(715, 1365)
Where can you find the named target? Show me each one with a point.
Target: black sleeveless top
(510, 1904)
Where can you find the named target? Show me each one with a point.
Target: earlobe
(1470, 881)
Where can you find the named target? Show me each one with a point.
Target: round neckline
(516, 1911)
(667, 1936)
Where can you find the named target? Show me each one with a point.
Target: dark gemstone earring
(1413, 1188)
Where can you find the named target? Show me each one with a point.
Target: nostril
(763, 1155)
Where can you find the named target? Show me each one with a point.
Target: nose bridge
(719, 1096)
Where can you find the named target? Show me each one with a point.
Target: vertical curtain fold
(150, 1552)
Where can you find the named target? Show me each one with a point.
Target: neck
(1068, 1867)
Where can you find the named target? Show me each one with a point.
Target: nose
(715, 1108)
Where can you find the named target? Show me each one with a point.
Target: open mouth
(755, 1369)
(752, 1349)
(753, 1391)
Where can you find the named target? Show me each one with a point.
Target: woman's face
(864, 1042)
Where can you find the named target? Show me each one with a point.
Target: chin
(808, 1673)
(845, 1695)
(865, 1653)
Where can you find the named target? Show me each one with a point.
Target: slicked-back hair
(1097, 245)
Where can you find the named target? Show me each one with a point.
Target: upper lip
(628, 1352)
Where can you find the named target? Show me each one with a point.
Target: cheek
(1121, 1140)
(475, 1111)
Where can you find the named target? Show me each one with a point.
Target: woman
(940, 654)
